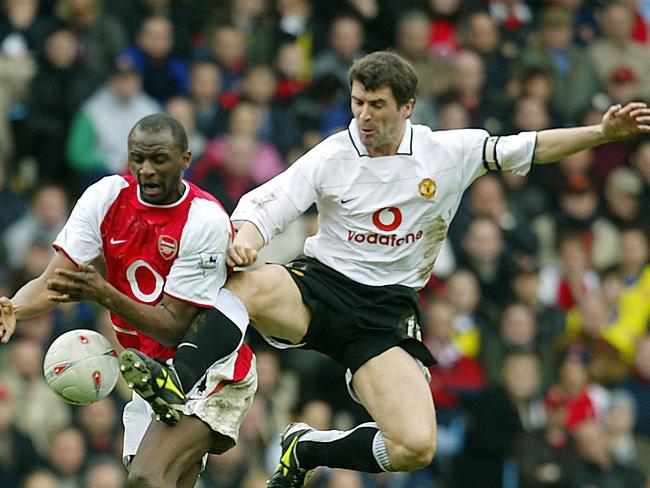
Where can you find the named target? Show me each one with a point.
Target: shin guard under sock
(214, 334)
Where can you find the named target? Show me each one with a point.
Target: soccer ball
(81, 366)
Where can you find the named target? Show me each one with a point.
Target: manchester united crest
(167, 247)
(427, 188)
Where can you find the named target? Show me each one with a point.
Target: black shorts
(353, 323)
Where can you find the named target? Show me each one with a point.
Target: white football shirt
(383, 219)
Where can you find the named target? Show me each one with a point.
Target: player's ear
(186, 158)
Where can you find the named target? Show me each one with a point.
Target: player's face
(381, 121)
(157, 163)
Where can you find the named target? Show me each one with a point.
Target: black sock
(211, 336)
(357, 449)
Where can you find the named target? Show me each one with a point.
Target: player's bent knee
(413, 454)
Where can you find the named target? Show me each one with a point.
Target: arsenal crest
(167, 247)
(427, 188)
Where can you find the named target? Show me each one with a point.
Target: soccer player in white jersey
(386, 192)
(163, 241)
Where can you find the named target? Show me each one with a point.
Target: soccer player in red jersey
(163, 241)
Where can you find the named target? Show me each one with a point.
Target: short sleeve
(80, 239)
(483, 152)
(279, 201)
(200, 270)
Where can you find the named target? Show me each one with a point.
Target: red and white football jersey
(383, 220)
(176, 249)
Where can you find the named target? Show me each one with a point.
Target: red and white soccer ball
(81, 366)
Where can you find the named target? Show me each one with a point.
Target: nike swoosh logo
(115, 241)
(343, 202)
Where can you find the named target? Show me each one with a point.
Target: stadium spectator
(489, 441)
(572, 73)
(182, 109)
(163, 74)
(596, 465)
(484, 37)
(638, 385)
(18, 457)
(41, 478)
(38, 411)
(13, 204)
(133, 14)
(205, 92)
(514, 18)
(67, 456)
(293, 70)
(255, 20)
(412, 42)
(518, 331)
(483, 252)
(277, 125)
(60, 86)
(589, 327)
(95, 144)
(99, 37)
(344, 45)
(48, 210)
(226, 46)
(545, 456)
(104, 472)
(640, 161)
(22, 28)
(468, 87)
(617, 51)
(99, 423)
(619, 425)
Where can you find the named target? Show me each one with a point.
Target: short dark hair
(159, 122)
(385, 68)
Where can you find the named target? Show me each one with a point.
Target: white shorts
(223, 410)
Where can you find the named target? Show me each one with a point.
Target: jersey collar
(405, 147)
(168, 205)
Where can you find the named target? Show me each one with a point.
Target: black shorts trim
(352, 322)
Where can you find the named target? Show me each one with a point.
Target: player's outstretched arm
(166, 322)
(31, 299)
(618, 123)
(243, 250)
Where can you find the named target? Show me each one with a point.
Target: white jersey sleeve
(80, 237)
(279, 201)
(483, 152)
(200, 270)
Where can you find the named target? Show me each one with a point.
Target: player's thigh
(167, 452)
(273, 301)
(395, 391)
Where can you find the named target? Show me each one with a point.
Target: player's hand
(7, 319)
(75, 286)
(240, 254)
(621, 122)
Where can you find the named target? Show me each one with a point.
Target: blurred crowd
(539, 306)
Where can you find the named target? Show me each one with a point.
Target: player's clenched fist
(241, 254)
(7, 319)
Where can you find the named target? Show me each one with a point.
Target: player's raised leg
(273, 302)
(403, 437)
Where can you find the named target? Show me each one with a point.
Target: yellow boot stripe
(168, 384)
(285, 460)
